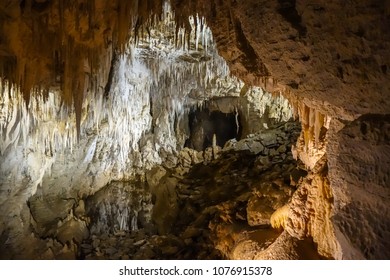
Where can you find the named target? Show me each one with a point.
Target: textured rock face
(310, 211)
(361, 189)
(328, 54)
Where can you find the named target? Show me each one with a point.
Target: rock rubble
(215, 204)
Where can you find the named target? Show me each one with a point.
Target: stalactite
(318, 124)
(63, 38)
(311, 145)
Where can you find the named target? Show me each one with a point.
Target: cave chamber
(200, 130)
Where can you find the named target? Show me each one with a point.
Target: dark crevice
(250, 60)
(107, 88)
(22, 5)
(40, 7)
(360, 32)
(293, 85)
(340, 72)
(384, 69)
(151, 104)
(289, 12)
(318, 9)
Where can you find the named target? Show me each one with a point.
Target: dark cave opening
(204, 124)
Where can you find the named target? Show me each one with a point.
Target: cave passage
(204, 124)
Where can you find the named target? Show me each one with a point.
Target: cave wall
(359, 158)
(329, 57)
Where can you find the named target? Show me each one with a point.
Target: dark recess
(204, 124)
(250, 60)
(289, 12)
(293, 85)
(384, 69)
(107, 88)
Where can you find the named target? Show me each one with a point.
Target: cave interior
(194, 129)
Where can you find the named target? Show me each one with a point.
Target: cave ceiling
(331, 55)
